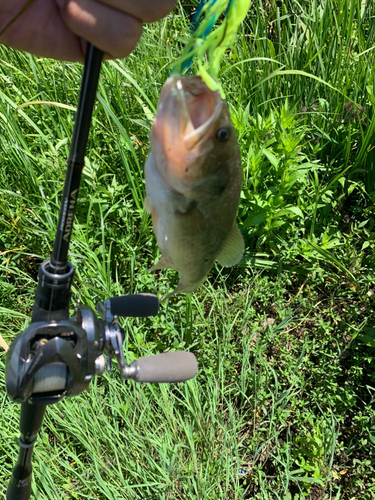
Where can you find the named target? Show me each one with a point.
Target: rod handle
(19, 487)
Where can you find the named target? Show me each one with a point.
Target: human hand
(60, 28)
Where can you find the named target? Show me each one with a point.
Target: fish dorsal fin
(233, 248)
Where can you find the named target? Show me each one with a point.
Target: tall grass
(283, 406)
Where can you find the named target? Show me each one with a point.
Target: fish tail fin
(178, 289)
(165, 297)
(161, 264)
(183, 288)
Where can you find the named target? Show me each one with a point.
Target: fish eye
(223, 134)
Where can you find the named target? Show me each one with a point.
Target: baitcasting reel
(58, 358)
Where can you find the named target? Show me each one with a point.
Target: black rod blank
(76, 158)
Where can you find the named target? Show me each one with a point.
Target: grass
(284, 403)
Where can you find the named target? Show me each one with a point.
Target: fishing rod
(58, 356)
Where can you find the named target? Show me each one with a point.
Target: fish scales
(193, 182)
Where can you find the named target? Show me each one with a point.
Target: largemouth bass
(193, 182)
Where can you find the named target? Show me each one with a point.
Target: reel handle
(140, 305)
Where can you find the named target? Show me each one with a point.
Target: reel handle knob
(168, 367)
(140, 305)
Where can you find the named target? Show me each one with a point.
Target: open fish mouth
(192, 110)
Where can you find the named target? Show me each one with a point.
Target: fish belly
(189, 233)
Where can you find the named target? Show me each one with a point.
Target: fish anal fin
(233, 248)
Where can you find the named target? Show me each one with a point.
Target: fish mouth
(192, 109)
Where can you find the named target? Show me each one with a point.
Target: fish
(193, 179)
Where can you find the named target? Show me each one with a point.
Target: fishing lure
(208, 44)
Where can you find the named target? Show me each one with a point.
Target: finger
(147, 11)
(114, 32)
(40, 30)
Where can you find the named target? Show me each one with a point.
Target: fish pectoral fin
(233, 248)
(147, 205)
(161, 264)
(180, 203)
